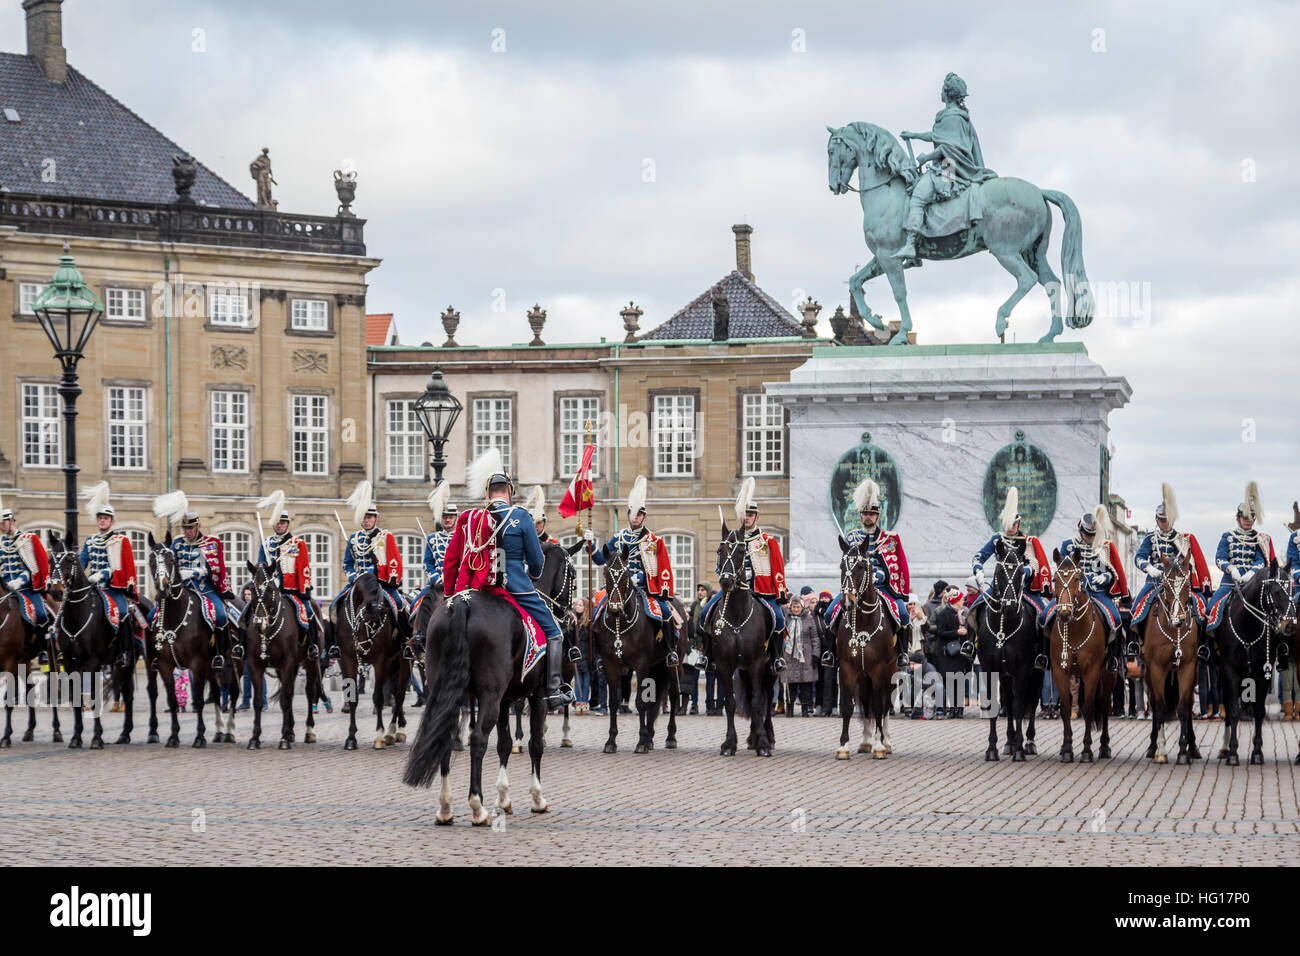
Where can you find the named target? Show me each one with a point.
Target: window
(125, 304)
(310, 434)
(681, 553)
(493, 420)
(238, 548)
(405, 441)
(763, 422)
(42, 430)
(140, 552)
(126, 427)
(309, 314)
(674, 435)
(321, 547)
(230, 431)
(27, 294)
(574, 415)
(580, 562)
(228, 308)
(412, 548)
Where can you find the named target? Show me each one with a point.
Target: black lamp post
(438, 411)
(68, 311)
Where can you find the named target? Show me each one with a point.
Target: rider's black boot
(670, 638)
(223, 644)
(557, 692)
(1040, 660)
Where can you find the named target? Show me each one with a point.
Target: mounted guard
(1102, 569)
(648, 563)
(1038, 574)
(495, 548)
(375, 550)
(290, 556)
(1242, 552)
(25, 571)
(110, 565)
(201, 562)
(435, 546)
(888, 561)
(1166, 542)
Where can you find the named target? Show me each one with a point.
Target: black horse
(1007, 642)
(740, 632)
(1255, 617)
(366, 631)
(627, 637)
(274, 638)
(86, 640)
(476, 644)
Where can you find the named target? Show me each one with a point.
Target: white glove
(1245, 578)
(979, 578)
(1236, 575)
(1096, 580)
(188, 574)
(14, 584)
(99, 577)
(589, 535)
(1154, 571)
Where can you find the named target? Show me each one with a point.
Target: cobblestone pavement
(934, 800)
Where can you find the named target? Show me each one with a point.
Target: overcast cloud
(522, 170)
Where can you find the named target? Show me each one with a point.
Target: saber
(260, 530)
(419, 525)
(341, 529)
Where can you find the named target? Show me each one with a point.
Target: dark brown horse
(868, 658)
(1077, 647)
(20, 645)
(274, 639)
(182, 640)
(740, 630)
(367, 633)
(1006, 630)
(1169, 655)
(628, 638)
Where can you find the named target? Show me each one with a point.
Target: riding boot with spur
(1040, 660)
(670, 638)
(221, 639)
(557, 692)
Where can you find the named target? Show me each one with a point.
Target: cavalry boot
(557, 692)
(125, 635)
(1040, 659)
(1134, 647)
(1203, 645)
(222, 640)
(670, 638)
(908, 249)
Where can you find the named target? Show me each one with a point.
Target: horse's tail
(1081, 306)
(434, 738)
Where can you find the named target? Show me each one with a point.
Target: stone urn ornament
(536, 319)
(450, 322)
(345, 184)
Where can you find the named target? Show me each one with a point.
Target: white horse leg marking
(503, 790)
(390, 735)
(565, 739)
(886, 739)
(478, 815)
(535, 790)
(1162, 755)
(444, 798)
(867, 731)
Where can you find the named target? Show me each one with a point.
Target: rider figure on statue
(375, 550)
(1102, 570)
(110, 565)
(1038, 575)
(1241, 553)
(292, 555)
(957, 160)
(201, 563)
(508, 536)
(25, 570)
(648, 564)
(888, 564)
(1165, 542)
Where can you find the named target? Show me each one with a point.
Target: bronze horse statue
(1169, 656)
(1077, 647)
(865, 648)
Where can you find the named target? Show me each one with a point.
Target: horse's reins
(167, 593)
(267, 619)
(616, 578)
(354, 615)
(861, 638)
(1062, 626)
(1010, 594)
(1266, 618)
(738, 584)
(81, 594)
(1175, 584)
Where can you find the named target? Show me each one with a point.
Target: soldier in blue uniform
(435, 549)
(375, 550)
(110, 565)
(1037, 575)
(24, 566)
(1241, 553)
(1103, 578)
(284, 551)
(202, 567)
(1166, 542)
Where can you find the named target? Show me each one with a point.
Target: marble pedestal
(941, 414)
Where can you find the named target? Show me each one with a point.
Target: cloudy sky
(584, 156)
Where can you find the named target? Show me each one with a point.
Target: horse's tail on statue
(1079, 313)
(438, 725)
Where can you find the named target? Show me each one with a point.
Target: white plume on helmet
(537, 503)
(1010, 510)
(438, 500)
(1102, 530)
(636, 497)
(481, 470)
(866, 495)
(745, 498)
(1168, 502)
(1250, 505)
(171, 506)
(360, 500)
(273, 504)
(97, 498)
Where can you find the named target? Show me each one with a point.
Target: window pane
(493, 420)
(42, 427)
(574, 415)
(321, 547)
(681, 553)
(412, 547)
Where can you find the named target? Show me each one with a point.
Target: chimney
(45, 38)
(743, 232)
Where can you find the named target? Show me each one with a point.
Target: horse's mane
(882, 148)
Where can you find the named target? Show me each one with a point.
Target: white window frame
(674, 436)
(236, 570)
(229, 308)
(763, 440)
(128, 434)
(309, 435)
(573, 434)
(489, 411)
(37, 429)
(28, 293)
(681, 555)
(406, 452)
(320, 545)
(124, 305)
(229, 439)
(304, 316)
(411, 544)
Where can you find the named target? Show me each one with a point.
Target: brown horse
(367, 632)
(868, 659)
(1169, 653)
(20, 645)
(1078, 647)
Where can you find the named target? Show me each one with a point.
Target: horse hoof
(1151, 751)
(5, 743)
(611, 747)
(486, 821)
(1162, 758)
(763, 752)
(443, 822)
(669, 744)
(727, 751)
(1183, 759)
(97, 743)
(864, 748)
(309, 737)
(1006, 750)
(880, 754)
(74, 743)
(255, 744)
(991, 753)
(57, 738)
(151, 739)
(458, 745)
(541, 808)
(1085, 757)
(29, 737)
(517, 749)
(843, 754)
(350, 744)
(1256, 757)
(1103, 752)
(640, 749)
(173, 742)
(1067, 756)
(123, 739)
(1031, 749)
(379, 743)
(1233, 760)
(400, 738)
(1017, 756)
(199, 743)
(566, 743)
(508, 807)
(285, 745)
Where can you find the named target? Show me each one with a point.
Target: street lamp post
(68, 312)
(437, 410)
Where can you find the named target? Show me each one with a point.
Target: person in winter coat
(951, 631)
(802, 651)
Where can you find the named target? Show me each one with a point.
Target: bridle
(364, 629)
(855, 566)
(72, 596)
(1267, 615)
(619, 583)
(1177, 577)
(730, 566)
(269, 622)
(1010, 570)
(887, 173)
(1070, 583)
(160, 562)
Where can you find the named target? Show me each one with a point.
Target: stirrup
(43, 658)
(1132, 650)
(237, 652)
(1203, 652)
(1112, 665)
(828, 659)
(574, 655)
(673, 659)
(778, 665)
(1040, 662)
(408, 652)
(903, 660)
(218, 663)
(123, 660)
(333, 651)
(560, 697)
(967, 650)
(313, 652)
